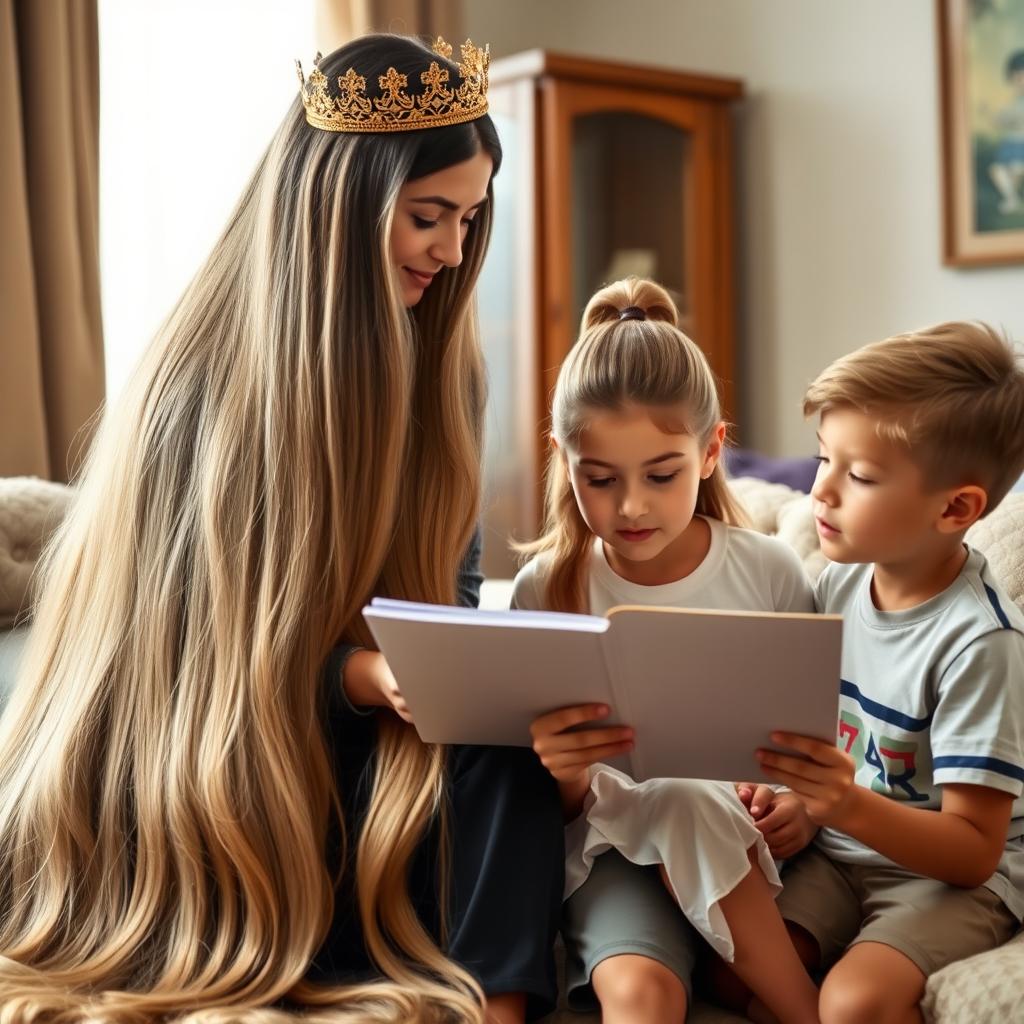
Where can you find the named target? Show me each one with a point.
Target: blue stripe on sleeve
(989, 764)
(880, 711)
(1000, 614)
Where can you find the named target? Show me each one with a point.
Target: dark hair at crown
(430, 149)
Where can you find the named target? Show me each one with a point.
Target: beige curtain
(51, 340)
(338, 21)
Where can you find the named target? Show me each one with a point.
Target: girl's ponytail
(632, 293)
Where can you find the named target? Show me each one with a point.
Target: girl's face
(636, 485)
(432, 217)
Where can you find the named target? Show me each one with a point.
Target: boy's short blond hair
(953, 394)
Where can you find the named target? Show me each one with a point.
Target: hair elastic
(632, 313)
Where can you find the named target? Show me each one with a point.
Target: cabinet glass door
(628, 183)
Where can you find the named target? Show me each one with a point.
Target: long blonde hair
(618, 363)
(293, 442)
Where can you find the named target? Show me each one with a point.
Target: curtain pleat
(51, 336)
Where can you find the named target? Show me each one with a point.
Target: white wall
(839, 184)
(191, 92)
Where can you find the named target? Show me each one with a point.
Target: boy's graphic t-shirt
(930, 695)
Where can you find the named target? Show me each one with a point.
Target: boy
(920, 857)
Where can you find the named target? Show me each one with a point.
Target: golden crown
(395, 110)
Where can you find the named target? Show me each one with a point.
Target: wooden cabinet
(609, 169)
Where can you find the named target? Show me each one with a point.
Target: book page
(705, 689)
(479, 677)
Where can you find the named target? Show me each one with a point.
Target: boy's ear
(714, 450)
(964, 507)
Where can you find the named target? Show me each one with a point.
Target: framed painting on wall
(981, 61)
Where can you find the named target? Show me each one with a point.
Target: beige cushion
(780, 511)
(988, 987)
(1000, 536)
(30, 509)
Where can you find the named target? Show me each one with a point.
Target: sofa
(987, 988)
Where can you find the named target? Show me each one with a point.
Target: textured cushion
(30, 509)
(1000, 536)
(986, 988)
(780, 511)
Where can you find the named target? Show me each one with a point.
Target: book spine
(618, 685)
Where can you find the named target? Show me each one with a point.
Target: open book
(702, 689)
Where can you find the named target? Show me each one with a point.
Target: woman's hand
(369, 682)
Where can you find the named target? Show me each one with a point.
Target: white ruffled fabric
(699, 830)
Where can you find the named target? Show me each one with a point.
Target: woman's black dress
(506, 852)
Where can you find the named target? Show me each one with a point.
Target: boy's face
(636, 485)
(871, 501)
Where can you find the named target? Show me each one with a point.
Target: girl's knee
(640, 988)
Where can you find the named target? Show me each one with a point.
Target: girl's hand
(823, 781)
(568, 755)
(756, 797)
(369, 681)
(786, 826)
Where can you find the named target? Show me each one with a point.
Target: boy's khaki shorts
(930, 922)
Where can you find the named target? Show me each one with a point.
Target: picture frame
(981, 71)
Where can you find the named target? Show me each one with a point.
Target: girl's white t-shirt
(743, 571)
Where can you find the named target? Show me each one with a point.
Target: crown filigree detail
(351, 110)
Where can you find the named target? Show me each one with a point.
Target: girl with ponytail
(213, 808)
(638, 512)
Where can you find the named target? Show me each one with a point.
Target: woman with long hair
(213, 807)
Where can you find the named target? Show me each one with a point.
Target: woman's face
(432, 217)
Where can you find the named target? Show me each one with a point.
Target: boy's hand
(824, 783)
(568, 755)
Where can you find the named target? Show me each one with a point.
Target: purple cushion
(796, 473)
